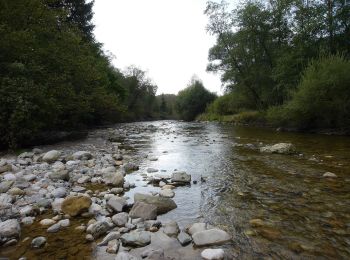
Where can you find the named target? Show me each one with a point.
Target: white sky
(167, 38)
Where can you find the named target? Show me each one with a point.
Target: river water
(274, 206)
(304, 215)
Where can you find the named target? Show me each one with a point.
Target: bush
(322, 98)
(193, 100)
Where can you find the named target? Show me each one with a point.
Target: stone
(151, 170)
(5, 186)
(168, 186)
(5, 168)
(126, 256)
(6, 198)
(181, 177)
(163, 204)
(111, 236)
(59, 175)
(98, 229)
(15, 191)
(213, 254)
(47, 222)
(112, 246)
(75, 205)
(26, 155)
(29, 177)
(256, 222)
(10, 229)
(59, 192)
(129, 167)
(89, 238)
(58, 226)
(114, 178)
(83, 179)
(280, 148)
(64, 222)
(38, 242)
(57, 205)
(136, 238)
(197, 227)
(167, 193)
(157, 254)
(117, 204)
(120, 219)
(329, 175)
(51, 156)
(143, 210)
(117, 191)
(171, 229)
(184, 239)
(210, 237)
(27, 221)
(82, 155)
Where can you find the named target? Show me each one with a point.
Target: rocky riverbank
(79, 193)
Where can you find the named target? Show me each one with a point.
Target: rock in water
(38, 242)
(143, 210)
(82, 155)
(281, 148)
(75, 205)
(213, 254)
(116, 203)
(210, 237)
(114, 178)
(98, 229)
(51, 156)
(10, 229)
(167, 193)
(136, 238)
(329, 175)
(197, 227)
(181, 177)
(184, 239)
(163, 204)
(125, 256)
(120, 219)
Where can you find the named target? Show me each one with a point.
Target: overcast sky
(167, 38)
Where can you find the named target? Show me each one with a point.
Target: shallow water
(304, 216)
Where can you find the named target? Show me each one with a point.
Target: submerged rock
(213, 254)
(143, 210)
(163, 204)
(136, 238)
(38, 242)
(281, 148)
(210, 237)
(75, 205)
(329, 175)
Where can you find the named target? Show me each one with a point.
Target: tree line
(286, 59)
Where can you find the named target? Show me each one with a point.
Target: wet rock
(280, 148)
(126, 256)
(112, 246)
(47, 222)
(27, 221)
(5, 186)
(329, 175)
(83, 179)
(269, 233)
(197, 227)
(111, 236)
(75, 205)
(58, 226)
(153, 158)
(151, 170)
(10, 242)
(129, 167)
(143, 210)
(82, 155)
(163, 204)
(171, 229)
(114, 178)
(184, 239)
(120, 219)
(257, 222)
(89, 238)
(51, 156)
(59, 175)
(181, 177)
(15, 191)
(6, 198)
(98, 229)
(213, 254)
(57, 205)
(210, 237)
(136, 238)
(38, 242)
(167, 193)
(117, 191)
(117, 204)
(168, 186)
(10, 229)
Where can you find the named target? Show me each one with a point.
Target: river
(273, 205)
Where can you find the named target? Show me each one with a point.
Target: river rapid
(274, 205)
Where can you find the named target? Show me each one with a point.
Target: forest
(282, 63)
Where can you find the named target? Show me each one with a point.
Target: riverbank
(81, 200)
(259, 119)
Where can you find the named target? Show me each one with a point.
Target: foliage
(193, 100)
(322, 98)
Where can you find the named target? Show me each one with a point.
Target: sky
(166, 38)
